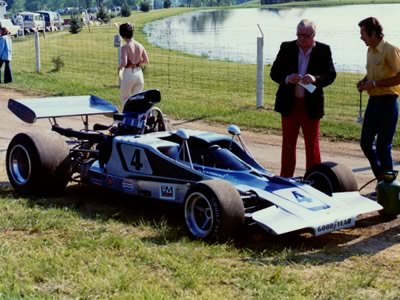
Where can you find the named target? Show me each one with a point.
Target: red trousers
(291, 124)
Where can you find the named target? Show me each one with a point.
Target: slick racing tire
(213, 211)
(330, 177)
(38, 163)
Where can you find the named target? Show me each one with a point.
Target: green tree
(103, 15)
(75, 24)
(107, 3)
(33, 5)
(144, 6)
(125, 10)
(90, 3)
(17, 6)
(167, 3)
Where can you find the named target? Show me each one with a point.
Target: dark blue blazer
(320, 65)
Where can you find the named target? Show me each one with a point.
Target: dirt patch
(373, 233)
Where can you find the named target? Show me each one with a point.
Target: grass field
(94, 244)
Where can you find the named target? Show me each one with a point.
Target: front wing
(330, 214)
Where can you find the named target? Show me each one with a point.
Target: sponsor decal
(96, 181)
(109, 181)
(167, 191)
(217, 217)
(129, 185)
(339, 224)
(211, 173)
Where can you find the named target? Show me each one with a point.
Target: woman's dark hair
(4, 31)
(372, 24)
(126, 30)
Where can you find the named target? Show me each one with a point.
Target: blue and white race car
(214, 176)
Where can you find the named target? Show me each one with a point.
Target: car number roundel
(304, 200)
(134, 159)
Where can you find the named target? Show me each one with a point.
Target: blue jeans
(380, 120)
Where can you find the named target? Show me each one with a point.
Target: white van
(14, 29)
(116, 10)
(32, 21)
(53, 20)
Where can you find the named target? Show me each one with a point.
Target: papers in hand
(308, 86)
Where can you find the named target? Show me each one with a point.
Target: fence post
(37, 51)
(117, 44)
(260, 70)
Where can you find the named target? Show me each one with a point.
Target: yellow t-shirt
(383, 62)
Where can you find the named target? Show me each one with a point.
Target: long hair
(4, 31)
(370, 25)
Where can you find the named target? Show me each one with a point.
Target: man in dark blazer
(302, 69)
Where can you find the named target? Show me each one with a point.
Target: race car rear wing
(30, 110)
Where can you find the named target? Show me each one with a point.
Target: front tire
(213, 211)
(38, 163)
(330, 177)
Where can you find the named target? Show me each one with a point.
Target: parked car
(32, 21)
(71, 10)
(93, 10)
(15, 30)
(116, 10)
(53, 20)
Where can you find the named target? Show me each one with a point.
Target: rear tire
(38, 163)
(330, 177)
(213, 211)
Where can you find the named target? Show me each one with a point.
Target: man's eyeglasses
(305, 36)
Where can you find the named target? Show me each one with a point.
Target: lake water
(232, 34)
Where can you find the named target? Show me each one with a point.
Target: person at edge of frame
(5, 54)
(301, 62)
(382, 83)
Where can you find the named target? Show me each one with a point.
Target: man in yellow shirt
(382, 83)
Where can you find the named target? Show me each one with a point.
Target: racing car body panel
(141, 156)
(155, 187)
(158, 173)
(356, 201)
(29, 110)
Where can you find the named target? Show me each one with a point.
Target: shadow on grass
(371, 235)
(299, 247)
(103, 205)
